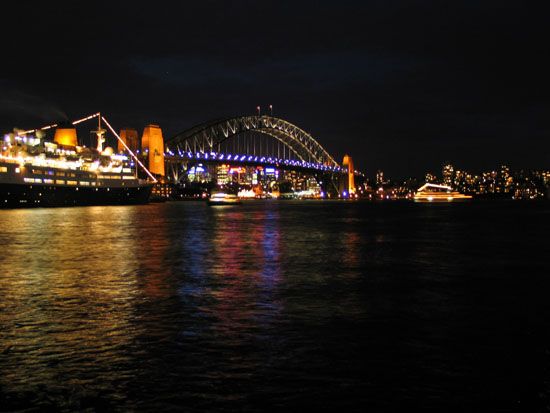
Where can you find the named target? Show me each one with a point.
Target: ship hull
(214, 203)
(433, 197)
(34, 196)
(438, 200)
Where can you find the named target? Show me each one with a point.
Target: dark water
(279, 306)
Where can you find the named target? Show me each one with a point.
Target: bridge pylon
(152, 145)
(130, 137)
(347, 183)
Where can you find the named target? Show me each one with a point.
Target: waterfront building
(198, 173)
(222, 174)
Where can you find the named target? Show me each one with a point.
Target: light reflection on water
(68, 285)
(286, 305)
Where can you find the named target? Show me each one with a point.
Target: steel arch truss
(208, 137)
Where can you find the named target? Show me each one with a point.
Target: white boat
(221, 198)
(438, 193)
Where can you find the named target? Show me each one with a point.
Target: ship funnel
(65, 134)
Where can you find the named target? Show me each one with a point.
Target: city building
(448, 174)
(430, 178)
(380, 177)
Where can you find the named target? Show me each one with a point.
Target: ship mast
(100, 132)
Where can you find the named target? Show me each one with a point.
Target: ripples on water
(276, 306)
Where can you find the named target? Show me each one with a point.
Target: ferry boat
(438, 193)
(38, 173)
(221, 198)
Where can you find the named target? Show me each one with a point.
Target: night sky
(402, 86)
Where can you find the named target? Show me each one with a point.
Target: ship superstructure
(35, 172)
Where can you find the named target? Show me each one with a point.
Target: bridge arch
(212, 136)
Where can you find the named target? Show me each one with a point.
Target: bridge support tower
(347, 181)
(130, 137)
(152, 146)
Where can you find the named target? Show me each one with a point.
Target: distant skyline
(401, 86)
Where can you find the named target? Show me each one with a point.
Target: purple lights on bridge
(261, 160)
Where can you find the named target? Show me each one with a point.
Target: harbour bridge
(262, 141)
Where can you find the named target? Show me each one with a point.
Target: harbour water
(276, 305)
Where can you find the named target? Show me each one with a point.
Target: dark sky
(400, 85)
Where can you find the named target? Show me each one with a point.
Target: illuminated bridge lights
(271, 161)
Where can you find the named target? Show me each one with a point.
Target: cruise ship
(35, 172)
(438, 193)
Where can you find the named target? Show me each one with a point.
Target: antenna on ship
(100, 132)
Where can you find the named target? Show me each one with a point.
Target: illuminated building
(380, 177)
(222, 174)
(254, 177)
(448, 174)
(271, 173)
(505, 179)
(239, 175)
(459, 180)
(313, 185)
(297, 180)
(430, 178)
(198, 173)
